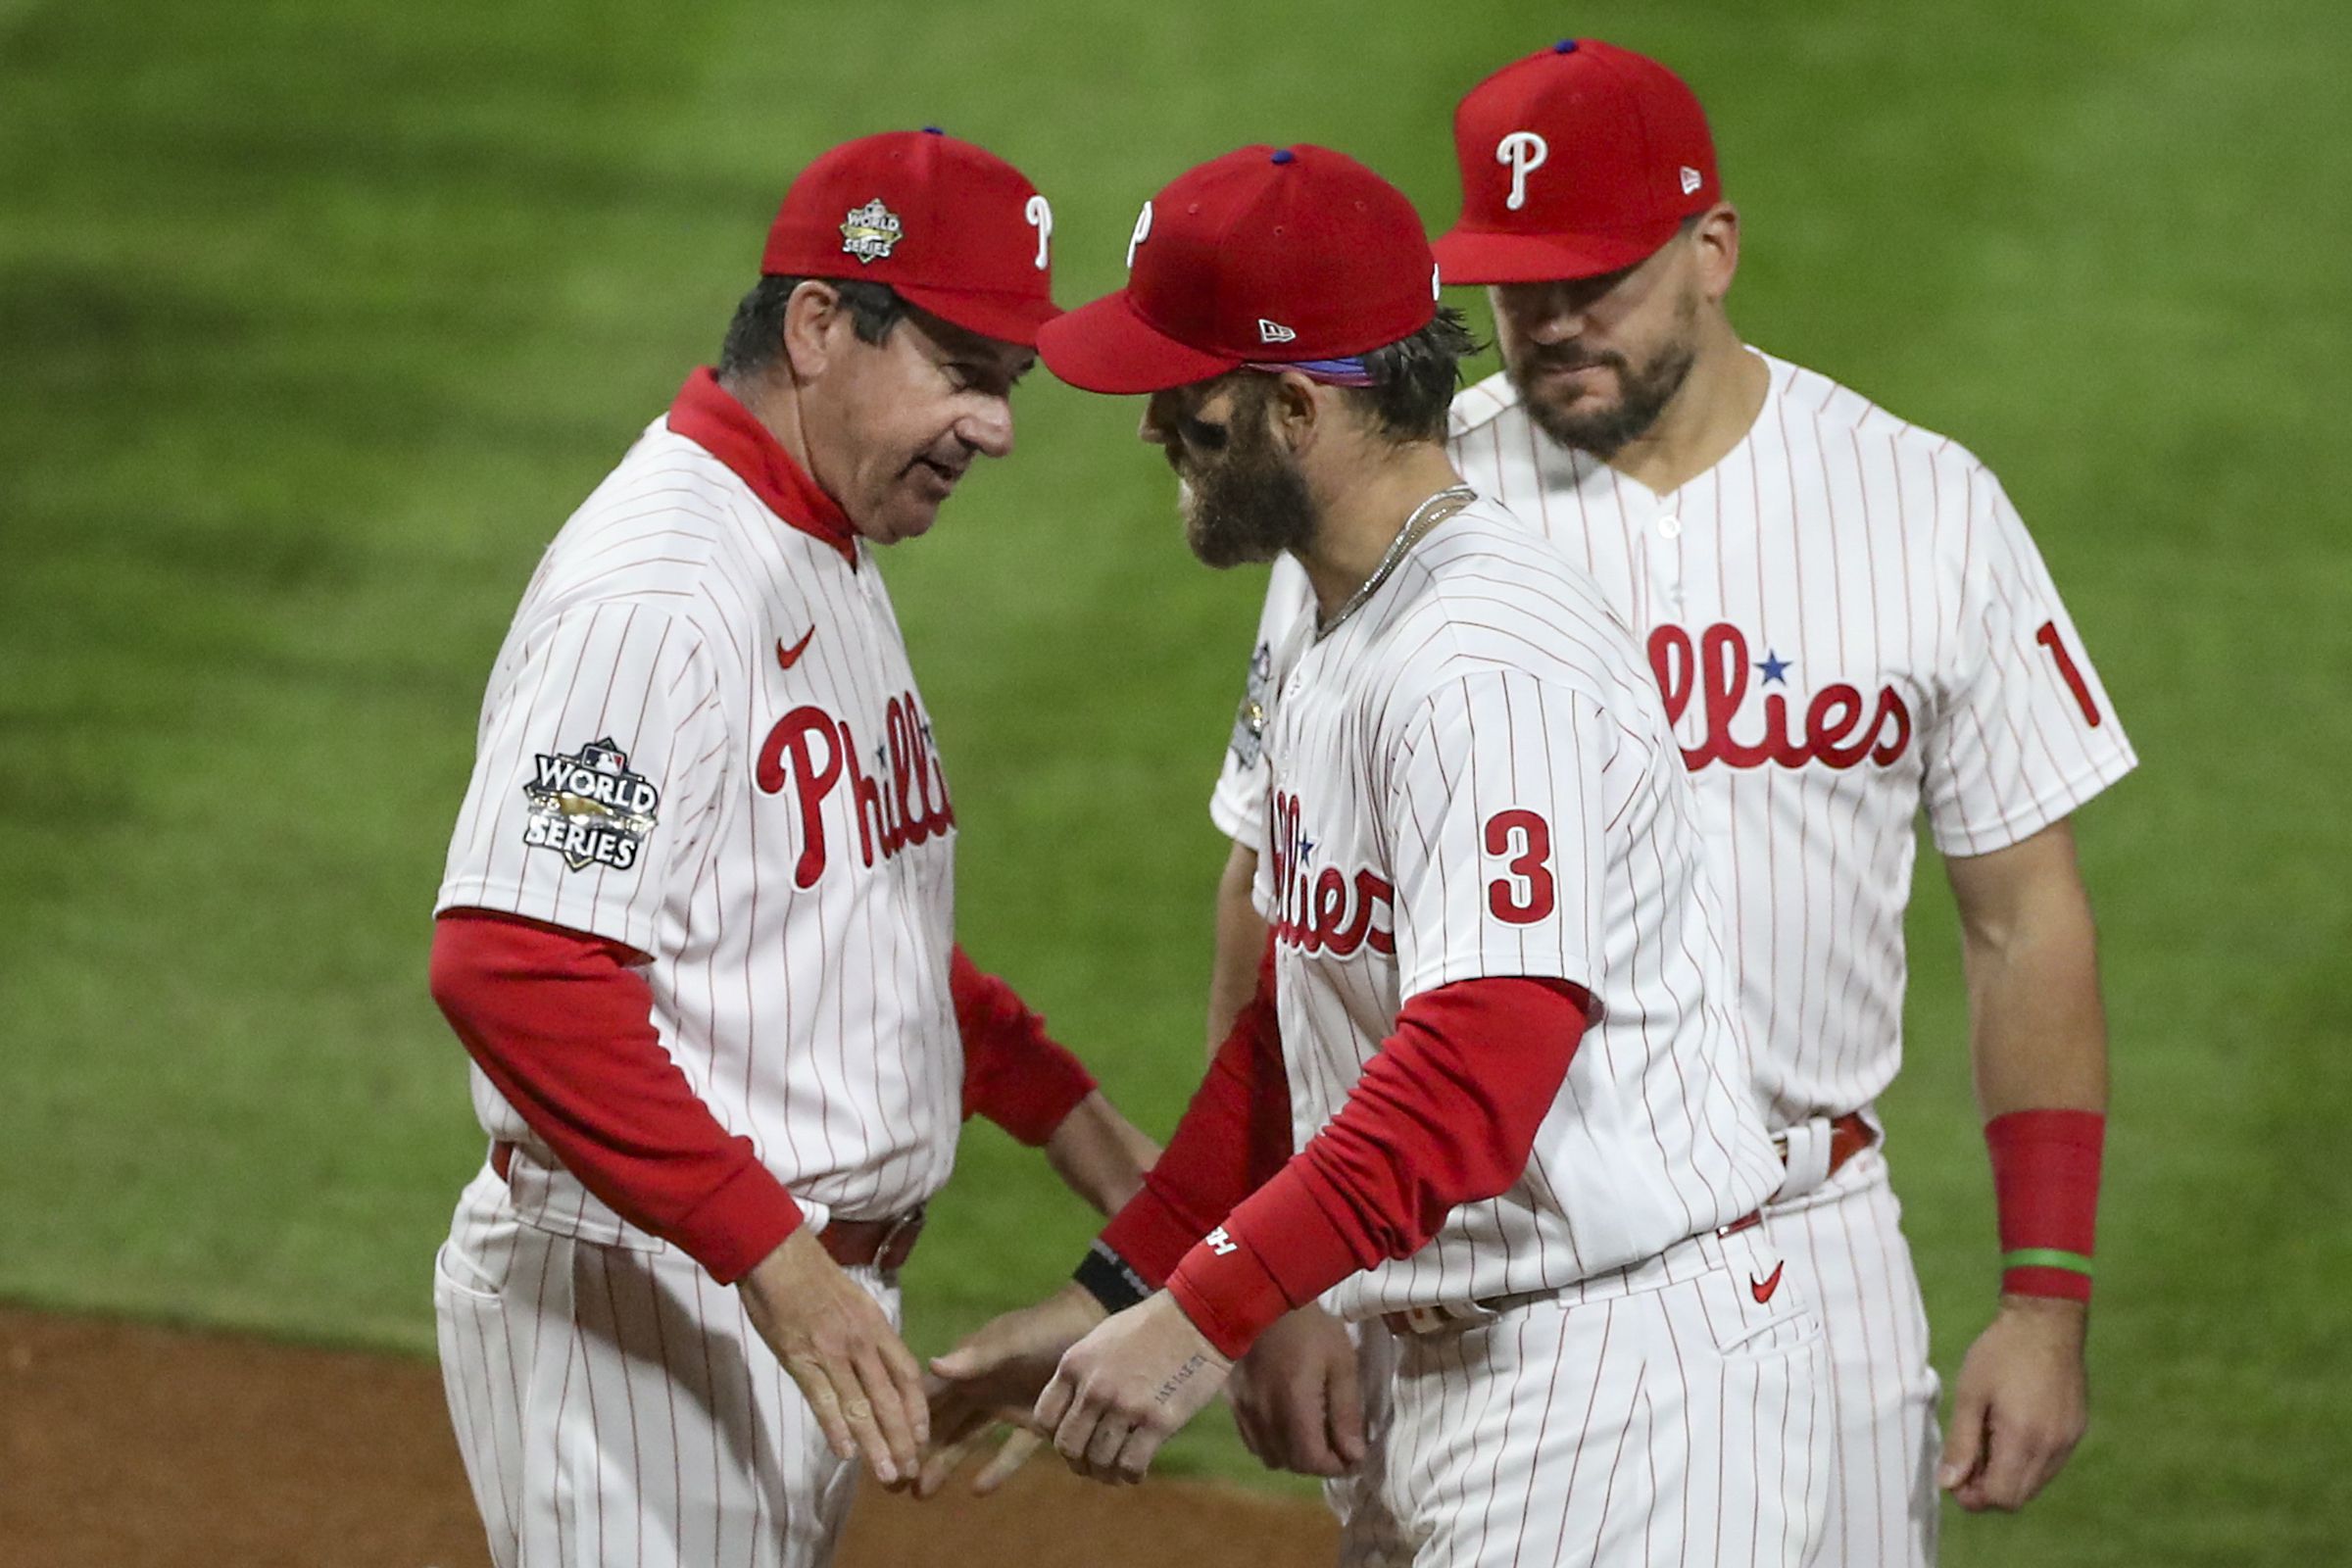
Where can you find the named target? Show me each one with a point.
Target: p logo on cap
(1143, 232)
(1525, 152)
(1040, 213)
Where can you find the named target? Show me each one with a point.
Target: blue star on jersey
(1774, 667)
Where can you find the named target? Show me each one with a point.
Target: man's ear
(1716, 240)
(815, 323)
(1297, 410)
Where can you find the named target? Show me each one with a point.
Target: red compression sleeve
(562, 1024)
(2045, 1185)
(1444, 1114)
(1234, 1135)
(1015, 1073)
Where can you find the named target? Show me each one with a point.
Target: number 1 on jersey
(1526, 895)
(2048, 637)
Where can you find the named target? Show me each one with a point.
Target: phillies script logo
(905, 801)
(1835, 734)
(1324, 910)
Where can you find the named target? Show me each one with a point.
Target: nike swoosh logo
(1762, 1289)
(786, 658)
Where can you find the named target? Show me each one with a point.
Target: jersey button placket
(1665, 552)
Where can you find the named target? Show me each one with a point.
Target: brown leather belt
(1849, 1135)
(877, 1244)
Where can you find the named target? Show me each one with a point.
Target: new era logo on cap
(1692, 180)
(1274, 333)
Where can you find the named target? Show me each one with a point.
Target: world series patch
(1249, 719)
(589, 808)
(870, 232)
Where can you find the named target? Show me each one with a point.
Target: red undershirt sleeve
(1445, 1114)
(1015, 1073)
(1234, 1135)
(562, 1024)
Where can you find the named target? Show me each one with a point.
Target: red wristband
(2045, 1185)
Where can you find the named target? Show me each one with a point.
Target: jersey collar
(706, 414)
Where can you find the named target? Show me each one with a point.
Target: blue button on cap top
(933, 130)
(1566, 46)
(1282, 155)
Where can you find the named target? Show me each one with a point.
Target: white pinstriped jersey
(1849, 623)
(701, 739)
(1472, 777)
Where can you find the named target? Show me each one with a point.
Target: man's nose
(988, 429)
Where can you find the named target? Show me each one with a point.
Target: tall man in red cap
(1849, 624)
(697, 928)
(1493, 1004)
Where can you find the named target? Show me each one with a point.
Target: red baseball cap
(1578, 160)
(956, 230)
(1266, 254)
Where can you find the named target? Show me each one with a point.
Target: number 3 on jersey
(1525, 894)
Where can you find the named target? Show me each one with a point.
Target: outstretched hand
(1127, 1386)
(839, 1345)
(2021, 1405)
(994, 1377)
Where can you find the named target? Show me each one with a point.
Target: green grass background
(318, 319)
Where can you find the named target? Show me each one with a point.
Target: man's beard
(1599, 428)
(1251, 504)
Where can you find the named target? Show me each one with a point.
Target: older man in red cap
(1849, 625)
(1493, 1017)
(696, 930)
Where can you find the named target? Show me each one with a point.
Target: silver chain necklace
(1425, 517)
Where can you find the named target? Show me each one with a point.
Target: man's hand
(1296, 1397)
(2020, 1406)
(995, 1376)
(1124, 1389)
(837, 1342)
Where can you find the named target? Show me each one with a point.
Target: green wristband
(2047, 1257)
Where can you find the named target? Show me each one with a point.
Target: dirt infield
(134, 1447)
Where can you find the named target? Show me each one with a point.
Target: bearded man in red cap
(1849, 625)
(1493, 1016)
(696, 931)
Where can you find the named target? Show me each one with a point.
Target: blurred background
(317, 320)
